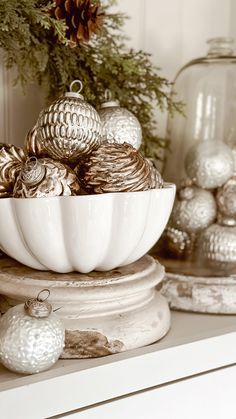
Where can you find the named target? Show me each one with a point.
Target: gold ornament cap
(75, 94)
(38, 307)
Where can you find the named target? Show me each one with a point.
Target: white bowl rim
(95, 196)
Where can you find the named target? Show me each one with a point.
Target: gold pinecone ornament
(12, 159)
(83, 18)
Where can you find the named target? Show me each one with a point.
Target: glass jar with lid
(207, 87)
(200, 239)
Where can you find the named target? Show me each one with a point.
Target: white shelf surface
(195, 344)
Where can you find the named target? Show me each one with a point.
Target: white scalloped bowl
(84, 233)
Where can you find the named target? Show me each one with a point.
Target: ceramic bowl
(84, 233)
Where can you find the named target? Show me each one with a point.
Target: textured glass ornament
(218, 243)
(43, 177)
(119, 125)
(209, 164)
(67, 129)
(179, 243)
(207, 87)
(31, 337)
(194, 210)
(117, 168)
(226, 200)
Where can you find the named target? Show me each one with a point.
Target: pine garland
(36, 44)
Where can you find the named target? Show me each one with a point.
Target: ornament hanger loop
(75, 94)
(41, 292)
(31, 162)
(79, 82)
(108, 95)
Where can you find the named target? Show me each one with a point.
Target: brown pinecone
(83, 18)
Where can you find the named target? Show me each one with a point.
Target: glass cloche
(207, 87)
(201, 233)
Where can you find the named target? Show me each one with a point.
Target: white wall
(174, 31)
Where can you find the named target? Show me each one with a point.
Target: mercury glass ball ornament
(31, 337)
(44, 177)
(32, 144)
(194, 210)
(209, 164)
(226, 199)
(69, 128)
(218, 243)
(119, 125)
(179, 243)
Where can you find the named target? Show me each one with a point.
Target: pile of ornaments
(74, 150)
(203, 222)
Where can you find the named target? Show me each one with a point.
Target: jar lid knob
(220, 46)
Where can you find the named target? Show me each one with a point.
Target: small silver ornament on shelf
(209, 164)
(119, 125)
(194, 210)
(67, 129)
(31, 336)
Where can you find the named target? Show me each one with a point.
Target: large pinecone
(83, 18)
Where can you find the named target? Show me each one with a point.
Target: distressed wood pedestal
(103, 312)
(204, 289)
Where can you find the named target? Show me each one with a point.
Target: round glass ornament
(31, 337)
(119, 125)
(69, 128)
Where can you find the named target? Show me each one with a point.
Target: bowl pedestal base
(103, 312)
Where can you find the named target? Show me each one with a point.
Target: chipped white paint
(200, 294)
(122, 305)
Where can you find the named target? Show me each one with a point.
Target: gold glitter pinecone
(117, 168)
(12, 159)
(83, 18)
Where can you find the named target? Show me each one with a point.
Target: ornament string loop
(108, 95)
(79, 82)
(41, 292)
(73, 93)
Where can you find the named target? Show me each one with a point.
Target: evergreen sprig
(35, 43)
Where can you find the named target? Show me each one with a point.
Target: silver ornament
(194, 210)
(218, 243)
(67, 129)
(119, 125)
(31, 337)
(226, 198)
(209, 164)
(179, 243)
